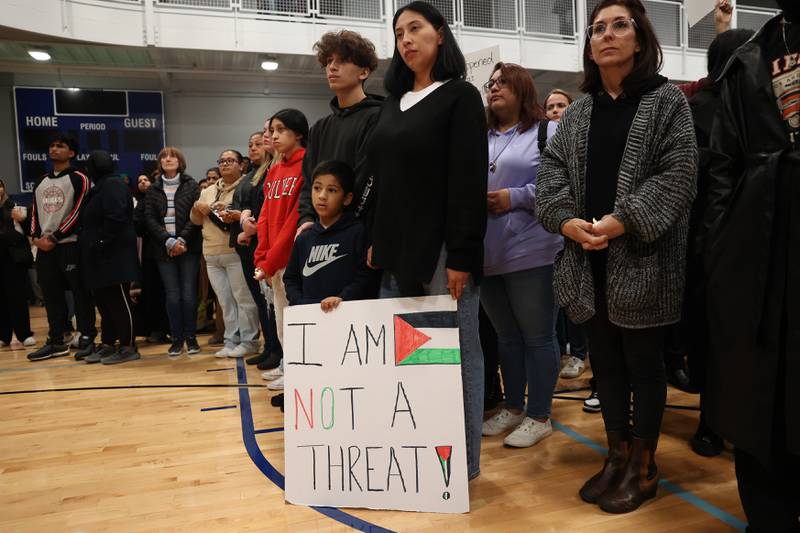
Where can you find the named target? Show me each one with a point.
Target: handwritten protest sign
(479, 67)
(374, 413)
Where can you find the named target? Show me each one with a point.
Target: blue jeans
(238, 308)
(522, 308)
(179, 276)
(471, 354)
(268, 330)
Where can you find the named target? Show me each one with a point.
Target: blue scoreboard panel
(128, 124)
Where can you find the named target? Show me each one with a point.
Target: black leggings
(14, 317)
(628, 360)
(115, 314)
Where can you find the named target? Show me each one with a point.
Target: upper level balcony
(542, 35)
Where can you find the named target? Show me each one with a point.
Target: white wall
(202, 116)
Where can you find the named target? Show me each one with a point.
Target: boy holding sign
(329, 262)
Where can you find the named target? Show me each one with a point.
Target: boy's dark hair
(212, 169)
(349, 46)
(450, 63)
(69, 140)
(339, 170)
(647, 62)
(294, 120)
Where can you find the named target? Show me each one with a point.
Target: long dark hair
(450, 63)
(647, 62)
(520, 82)
(295, 120)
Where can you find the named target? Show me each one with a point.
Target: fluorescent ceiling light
(269, 64)
(73, 89)
(39, 55)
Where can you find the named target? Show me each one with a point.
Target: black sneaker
(105, 350)
(270, 362)
(705, 442)
(592, 403)
(257, 358)
(277, 400)
(49, 350)
(176, 349)
(85, 348)
(123, 355)
(192, 347)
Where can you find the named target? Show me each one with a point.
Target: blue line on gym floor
(250, 444)
(270, 430)
(217, 408)
(248, 435)
(679, 491)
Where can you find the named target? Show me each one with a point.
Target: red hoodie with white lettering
(277, 222)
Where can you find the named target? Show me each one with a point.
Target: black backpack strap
(543, 135)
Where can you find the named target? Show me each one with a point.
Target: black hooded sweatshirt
(107, 237)
(330, 262)
(343, 135)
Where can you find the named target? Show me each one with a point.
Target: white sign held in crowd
(697, 9)
(480, 65)
(374, 413)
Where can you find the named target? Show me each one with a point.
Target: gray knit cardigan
(656, 185)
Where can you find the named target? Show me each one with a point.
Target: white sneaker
(239, 351)
(224, 352)
(30, 341)
(4, 344)
(276, 385)
(573, 368)
(275, 373)
(528, 433)
(502, 421)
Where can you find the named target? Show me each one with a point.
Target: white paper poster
(697, 9)
(480, 65)
(374, 413)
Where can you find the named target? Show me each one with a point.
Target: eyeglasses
(225, 162)
(618, 28)
(500, 82)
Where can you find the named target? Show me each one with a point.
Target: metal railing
(549, 18)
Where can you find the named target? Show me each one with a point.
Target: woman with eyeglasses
(225, 272)
(617, 180)
(429, 156)
(517, 290)
(175, 244)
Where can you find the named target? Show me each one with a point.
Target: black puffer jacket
(106, 237)
(155, 209)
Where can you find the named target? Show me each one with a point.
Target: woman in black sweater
(15, 260)
(429, 155)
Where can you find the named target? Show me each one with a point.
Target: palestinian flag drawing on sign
(427, 338)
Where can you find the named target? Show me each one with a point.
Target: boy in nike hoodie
(329, 261)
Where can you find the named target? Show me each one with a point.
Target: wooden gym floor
(180, 445)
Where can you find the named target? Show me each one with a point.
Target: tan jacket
(215, 240)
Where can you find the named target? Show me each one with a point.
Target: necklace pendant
(492, 166)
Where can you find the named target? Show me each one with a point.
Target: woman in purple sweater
(517, 292)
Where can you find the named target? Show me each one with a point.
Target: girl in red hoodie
(277, 222)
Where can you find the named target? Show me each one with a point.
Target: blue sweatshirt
(330, 262)
(515, 240)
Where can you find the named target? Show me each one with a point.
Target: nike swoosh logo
(308, 271)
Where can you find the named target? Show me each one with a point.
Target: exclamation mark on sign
(444, 453)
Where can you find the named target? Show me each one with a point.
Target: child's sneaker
(276, 385)
(273, 374)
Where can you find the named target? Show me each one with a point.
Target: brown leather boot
(618, 448)
(639, 482)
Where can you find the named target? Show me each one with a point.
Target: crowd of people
(630, 224)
